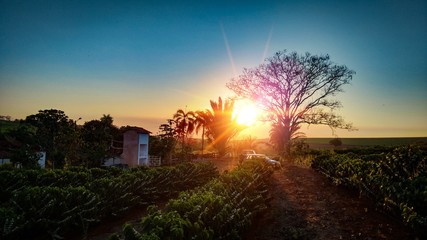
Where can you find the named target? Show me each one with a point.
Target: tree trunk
(287, 140)
(203, 139)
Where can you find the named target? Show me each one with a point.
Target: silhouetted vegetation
(65, 143)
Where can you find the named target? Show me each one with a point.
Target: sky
(140, 61)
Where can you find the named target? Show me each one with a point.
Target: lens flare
(246, 114)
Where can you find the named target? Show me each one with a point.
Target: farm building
(135, 149)
(135, 146)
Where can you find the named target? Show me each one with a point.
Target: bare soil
(306, 205)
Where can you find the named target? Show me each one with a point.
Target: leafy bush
(222, 209)
(49, 212)
(51, 203)
(397, 181)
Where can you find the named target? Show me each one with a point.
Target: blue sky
(142, 60)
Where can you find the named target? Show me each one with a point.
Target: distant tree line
(68, 144)
(64, 142)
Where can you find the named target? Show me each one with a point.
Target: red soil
(305, 205)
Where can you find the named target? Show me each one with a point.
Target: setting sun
(246, 114)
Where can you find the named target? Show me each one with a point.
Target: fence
(154, 161)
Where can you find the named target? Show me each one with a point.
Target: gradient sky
(142, 60)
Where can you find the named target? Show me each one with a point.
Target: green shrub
(397, 181)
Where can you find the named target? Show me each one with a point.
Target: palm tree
(203, 120)
(222, 126)
(278, 138)
(184, 124)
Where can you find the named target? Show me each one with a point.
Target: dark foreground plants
(397, 181)
(222, 209)
(49, 204)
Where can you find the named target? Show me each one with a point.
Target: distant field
(322, 143)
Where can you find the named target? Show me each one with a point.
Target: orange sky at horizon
(126, 110)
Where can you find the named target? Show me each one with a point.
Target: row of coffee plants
(40, 204)
(397, 180)
(222, 209)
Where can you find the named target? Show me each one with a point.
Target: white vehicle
(248, 151)
(245, 153)
(269, 161)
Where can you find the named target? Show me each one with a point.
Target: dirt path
(305, 205)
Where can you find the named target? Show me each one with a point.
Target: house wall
(135, 148)
(130, 148)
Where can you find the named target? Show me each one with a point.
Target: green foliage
(20, 143)
(222, 209)
(300, 150)
(55, 134)
(162, 146)
(49, 211)
(25, 156)
(396, 180)
(6, 124)
(51, 203)
(164, 143)
(97, 137)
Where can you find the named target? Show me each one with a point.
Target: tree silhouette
(164, 143)
(295, 89)
(220, 124)
(98, 137)
(22, 146)
(184, 125)
(336, 142)
(203, 120)
(55, 133)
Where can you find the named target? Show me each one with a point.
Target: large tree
(21, 144)
(295, 89)
(98, 137)
(55, 134)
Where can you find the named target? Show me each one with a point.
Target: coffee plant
(222, 209)
(40, 204)
(397, 180)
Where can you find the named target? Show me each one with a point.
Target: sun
(246, 114)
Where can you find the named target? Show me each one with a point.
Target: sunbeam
(227, 46)
(267, 44)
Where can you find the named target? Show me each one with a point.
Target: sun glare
(246, 114)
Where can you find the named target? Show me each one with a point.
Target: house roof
(137, 129)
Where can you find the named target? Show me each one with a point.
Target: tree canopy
(295, 89)
(55, 132)
(97, 140)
